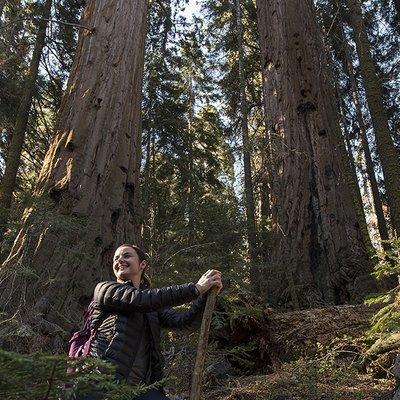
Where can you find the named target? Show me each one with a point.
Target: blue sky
(192, 8)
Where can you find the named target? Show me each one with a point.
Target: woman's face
(126, 264)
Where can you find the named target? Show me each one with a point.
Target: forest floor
(337, 370)
(292, 385)
(301, 380)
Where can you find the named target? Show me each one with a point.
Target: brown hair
(145, 281)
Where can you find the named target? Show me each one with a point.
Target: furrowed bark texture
(373, 90)
(319, 256)
(87, 194)
(13, 160)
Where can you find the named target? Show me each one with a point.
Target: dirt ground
(302, 360)
(286, 386)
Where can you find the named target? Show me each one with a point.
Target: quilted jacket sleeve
(121, 297)
(190, 319)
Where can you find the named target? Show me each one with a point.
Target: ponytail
(145, 281)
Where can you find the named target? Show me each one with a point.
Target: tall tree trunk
(2, 5)
(397, 13)
(147, 188)
(13, 160)
(190, 183)
(382, 228)
(248, 184)
(385, 146)
(346, 132)
(265, 213)
(319, 256)
(87, 193)
(350, 177)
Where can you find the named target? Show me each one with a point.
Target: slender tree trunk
(350, 154)
(147, 189)
(383, 231)
(319, 256)
(385, 146)
(87, 193)
(397, 13)
(2, 5)
(248, 184)
(265, 213)
(190, 190)
(13, 160)
(350, 177)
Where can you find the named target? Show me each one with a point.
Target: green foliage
(243, 357)
(45, 376)
(42, 213)
(388, 260)
(387, 319)
(192, 219)
(332, 370)
(238, 308)
(19, 26)
(237, 305)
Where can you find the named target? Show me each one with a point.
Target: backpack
(79, 344)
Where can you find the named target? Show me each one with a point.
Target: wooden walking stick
(195, 391)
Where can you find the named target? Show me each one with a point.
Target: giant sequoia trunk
(13, 160)
(384, 142)
(319, 256)
(87, 194)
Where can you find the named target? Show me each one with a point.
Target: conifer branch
(38, 19)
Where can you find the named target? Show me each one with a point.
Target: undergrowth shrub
(45, 377)
(387, 319)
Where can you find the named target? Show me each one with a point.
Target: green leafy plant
(48, 376)
(387, 319)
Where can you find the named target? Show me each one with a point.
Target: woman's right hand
(210, 278)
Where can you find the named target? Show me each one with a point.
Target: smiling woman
(128, 316)
(130, 264)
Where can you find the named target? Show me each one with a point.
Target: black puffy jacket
(122, 311)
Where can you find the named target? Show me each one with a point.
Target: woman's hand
(209, 279)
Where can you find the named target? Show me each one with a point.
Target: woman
(129, 316)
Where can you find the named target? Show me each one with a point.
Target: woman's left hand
(209, 279)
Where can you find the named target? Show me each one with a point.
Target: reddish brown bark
(319, 256)
(87, 194)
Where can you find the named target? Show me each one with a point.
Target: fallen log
(286, 336)
(295, 334)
